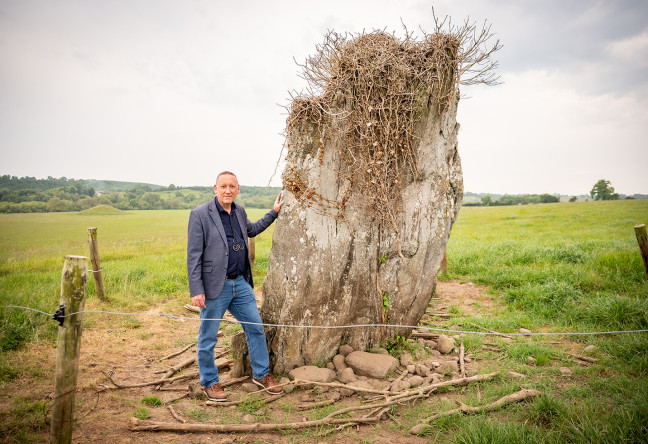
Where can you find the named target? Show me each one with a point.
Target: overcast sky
(175, 91)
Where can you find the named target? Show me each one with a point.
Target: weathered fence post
(73, 293)
(252, 248)
(642, 238)
(96, 264)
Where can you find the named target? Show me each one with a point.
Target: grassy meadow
(565, 267)
(143, 254)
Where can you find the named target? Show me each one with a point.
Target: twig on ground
(175, 415)
(462, 364)
(463, 408)
(179, 352)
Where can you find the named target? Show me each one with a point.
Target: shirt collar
(220, 208)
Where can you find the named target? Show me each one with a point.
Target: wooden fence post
(642, 238)
(96, 264)
(251, 249)
(73, 293)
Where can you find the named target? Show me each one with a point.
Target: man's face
(226, 189)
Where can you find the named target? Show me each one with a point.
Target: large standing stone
(371, 364)
(334, 268)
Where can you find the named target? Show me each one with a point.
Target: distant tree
(486, 200)
(172, 187)
(573, 199)
(603, 190)
(548, 198)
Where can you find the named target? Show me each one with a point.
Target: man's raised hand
(278, 203)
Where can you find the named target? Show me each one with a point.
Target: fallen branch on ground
(175, 415)
(463, 408)
(462, 364)
(377, 411)
(179, 352)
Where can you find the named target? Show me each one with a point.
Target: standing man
(220, 279)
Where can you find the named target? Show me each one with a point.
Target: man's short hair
(225, 173)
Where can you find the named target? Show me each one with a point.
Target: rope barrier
(170, 316)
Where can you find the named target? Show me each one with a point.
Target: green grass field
(567, 267)
(143, 254)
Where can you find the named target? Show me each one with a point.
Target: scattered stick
(377, 411)
(463, 408)
(493, 349)
(267, 400)
(233, 381)
(440, 315)
(179, 352)
(175, 415)
(175, 368)
(314, 405)
(178, 398)
(425, 335)
(192, 308)
(145, 384)
(462, 364)
(583, 358)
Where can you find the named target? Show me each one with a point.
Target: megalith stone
(372, 365)
(372, 186)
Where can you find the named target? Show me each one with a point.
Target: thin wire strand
(170, 316)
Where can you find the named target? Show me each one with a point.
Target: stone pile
(378, 370)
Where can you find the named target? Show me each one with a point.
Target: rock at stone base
(430, 343)
(399, 386)
(415, 381)
(330, 366)
(371, 364)
(346, 375)
(359, 384)
(312, 373)
(445, 344)
(525, 332)
(319, 389)
(287, 388)
(249, 419)
(422, 370)
(333, 395)
(338, 362)
(467, 359)
(590, 349)
(405, 359)
(447, 367)
(514, 375)
(411, 368)
(250, 387)
(345, 349)
(566, 371)
(531, 360)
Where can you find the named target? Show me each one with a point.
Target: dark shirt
(236, 259)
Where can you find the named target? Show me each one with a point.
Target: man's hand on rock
(278, 203)
(198, 300)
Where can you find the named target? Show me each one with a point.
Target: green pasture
(143, 254)
(565, 267)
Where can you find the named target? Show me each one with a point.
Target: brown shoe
(269, 383)
(215, 393)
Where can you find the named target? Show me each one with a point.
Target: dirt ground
(131, 351)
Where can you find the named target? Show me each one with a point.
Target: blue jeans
(238, 297)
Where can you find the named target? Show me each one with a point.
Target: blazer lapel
(213, 212)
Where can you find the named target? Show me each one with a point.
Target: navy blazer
(207, 251)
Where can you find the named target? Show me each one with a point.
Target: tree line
(31, 195)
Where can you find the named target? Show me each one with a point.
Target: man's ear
(215, 188)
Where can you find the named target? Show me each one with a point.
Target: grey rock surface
(445, 344)
(312, 373)
(371, 364)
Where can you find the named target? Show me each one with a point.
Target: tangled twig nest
(366, 95)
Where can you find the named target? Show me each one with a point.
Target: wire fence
(419, 327)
